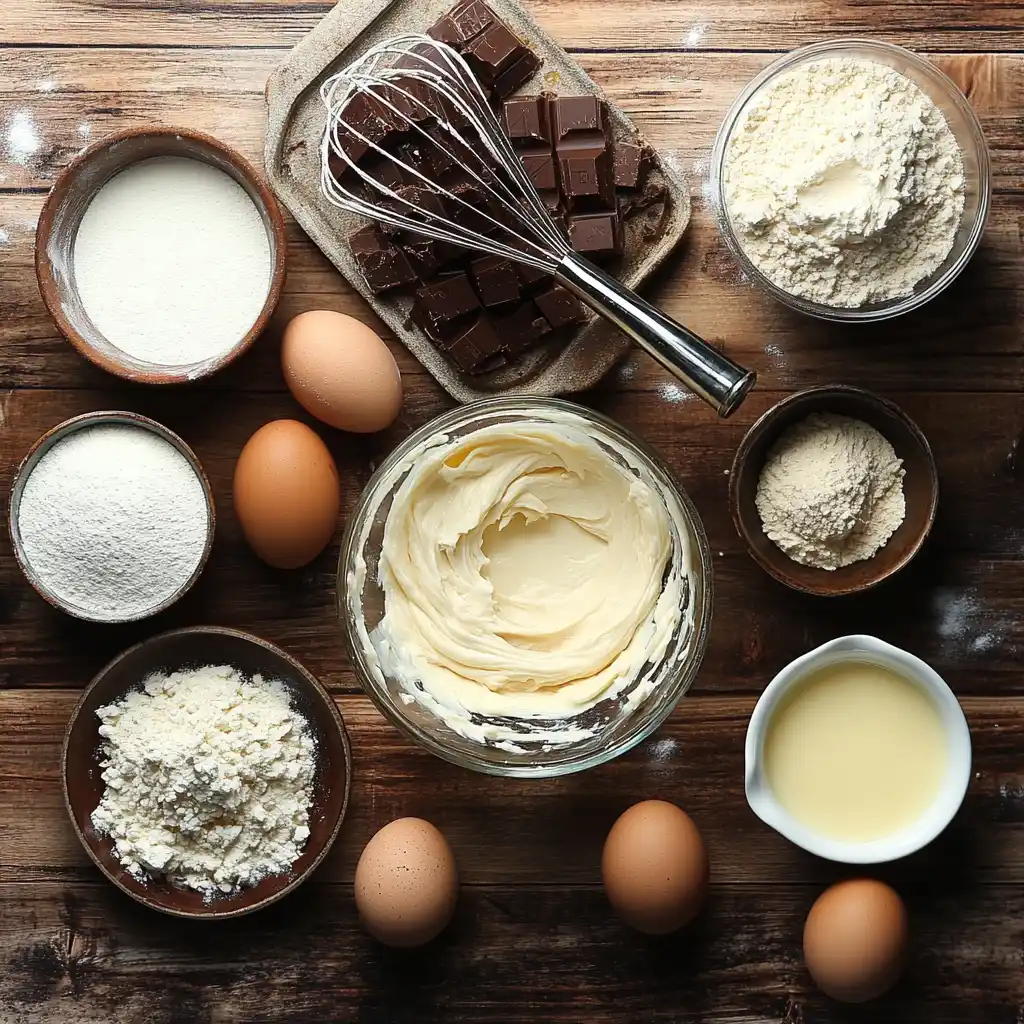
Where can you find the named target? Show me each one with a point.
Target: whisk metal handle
(705, 371)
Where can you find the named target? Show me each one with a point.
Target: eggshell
(287, 494)
(406, 883)
(341, 372)
(855, 940)
(655, 867)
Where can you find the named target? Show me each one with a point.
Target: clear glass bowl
(617, 723)
(963, 123)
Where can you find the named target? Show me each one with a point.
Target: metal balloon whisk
(425, 91)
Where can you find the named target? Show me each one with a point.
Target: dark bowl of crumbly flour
(206, 772)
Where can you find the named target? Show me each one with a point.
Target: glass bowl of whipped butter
(858, 752)
(524, 588)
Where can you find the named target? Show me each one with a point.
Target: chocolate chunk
(465, 21)
(629, 160)
(540, 166)
(443, 303)
(574, 114)
(560, 307)
(531, 278)
(496, 281)
(382, 265)
(430, 155)
(423, 257)
(526, 123)
(465, 209)
(522, 328)
(476, 348)
(416, 198)
(519, 74)
(366, 116)
(387, 172)
(587, 171)
(493, 52)
(596, 234)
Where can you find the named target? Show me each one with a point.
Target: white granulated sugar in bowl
(209, 779)
(172, 261)
(113, 521)
(844, 183)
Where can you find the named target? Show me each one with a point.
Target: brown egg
(655, 867)
(855, 940)
(287, 494)
(341, 372)
(406, 883)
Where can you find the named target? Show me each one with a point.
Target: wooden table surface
(534, 939)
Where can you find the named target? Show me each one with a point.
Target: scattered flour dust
(208, 779)
(844, 183)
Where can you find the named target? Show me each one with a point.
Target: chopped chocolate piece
(653, 194)
(366, 116)
(496, 281)
(463, 22)
(493, 52)
(475, 348)
(629, 161)
(587, 172)
(522, 328)
(472, 211)
(416, 198)
(382, 264)
(430, 155)
(526, 122)
(560, 307)
(423, 258)
(446, 301)
(573, 114)
(596, 234)
(519, 74)
(540, 166)
(531, 277)
(387, 171)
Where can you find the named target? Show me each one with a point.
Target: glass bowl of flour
(524, 588)
(851, 180)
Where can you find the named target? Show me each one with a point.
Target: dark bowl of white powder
(111, 517)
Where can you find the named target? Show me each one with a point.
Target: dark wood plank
(605, 24)
(85, 952)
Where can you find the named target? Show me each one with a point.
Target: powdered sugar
(172, 261)
(208, 779)
(113, 520)
(844, 183)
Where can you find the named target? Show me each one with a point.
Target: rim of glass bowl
(838, 47)
(670, 692)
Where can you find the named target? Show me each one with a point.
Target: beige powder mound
(831, 491)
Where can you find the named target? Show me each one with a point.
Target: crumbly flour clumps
(844, 183)
(831, 491)
(208, 779)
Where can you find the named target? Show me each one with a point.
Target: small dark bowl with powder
(920, 489)
(195, 647)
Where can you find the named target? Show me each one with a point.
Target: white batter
(524, 573)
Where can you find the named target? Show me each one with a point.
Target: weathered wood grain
(606, 24)
(511, 832)
(61, 102)
(533, 953)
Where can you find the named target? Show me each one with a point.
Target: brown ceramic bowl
(920, 486)
(196, 646)
(62, 212)
(42, 446)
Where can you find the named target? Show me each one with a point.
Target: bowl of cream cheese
(524, 588)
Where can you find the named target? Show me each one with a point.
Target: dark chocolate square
(587, 171)
(522, 328)
(560, 307)
(493, 52)
(525, 120)
(629, 160)
(519, 74)
(540, 167)
(574, 114)
(531, 278)
(596, 234)
(445, 301)
(383, 265)
(496, 281)
(463, 22)
(476, 348)
(422, 255)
